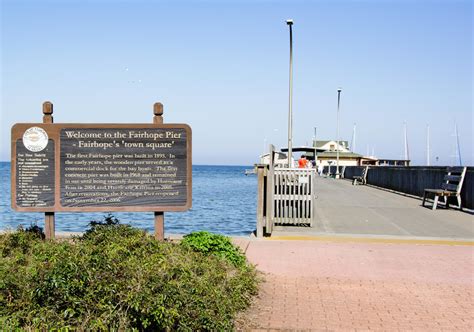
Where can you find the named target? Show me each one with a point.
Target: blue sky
(222, 67)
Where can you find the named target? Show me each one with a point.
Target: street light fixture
(337, 132)
(290, 102)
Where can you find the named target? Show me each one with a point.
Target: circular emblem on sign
(35, 139)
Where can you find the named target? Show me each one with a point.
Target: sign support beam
(49, 218)
(159, 215)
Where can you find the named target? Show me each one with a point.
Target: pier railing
(286, 197)
(413, 180)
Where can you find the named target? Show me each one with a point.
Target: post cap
(289, 21)
(47, 107)
(339, 89)
(158, 109)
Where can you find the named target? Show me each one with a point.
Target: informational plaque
(101, 167)
(35, 175)
(123, 166)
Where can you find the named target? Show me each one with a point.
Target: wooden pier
(343, 210)
(336, 208)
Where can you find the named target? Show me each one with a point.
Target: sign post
(159, 215)
(101, 167)
(49, 222)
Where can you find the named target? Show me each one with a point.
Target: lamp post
(337, 132)
(290, 102)
(315, 147)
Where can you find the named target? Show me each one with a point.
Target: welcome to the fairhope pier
(101, 167)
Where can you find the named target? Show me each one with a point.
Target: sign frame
(54, 129)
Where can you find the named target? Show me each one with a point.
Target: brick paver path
(342, 286)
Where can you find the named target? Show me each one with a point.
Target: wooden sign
(101, 167)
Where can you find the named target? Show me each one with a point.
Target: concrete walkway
(343, 209)
(317, 286)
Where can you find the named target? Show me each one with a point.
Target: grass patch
(116, 277)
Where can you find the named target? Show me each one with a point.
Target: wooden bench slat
(455, 169)
(449, 187)
(441, 192)
(434, 191)
(454, 178)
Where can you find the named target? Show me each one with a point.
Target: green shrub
(21, 240)
(214, 244)
(117, 277)
(35, 230)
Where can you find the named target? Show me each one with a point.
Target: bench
(451, 187)
(361, 178)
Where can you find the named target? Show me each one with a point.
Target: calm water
(224, 201)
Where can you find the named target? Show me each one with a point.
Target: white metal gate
(292, 200)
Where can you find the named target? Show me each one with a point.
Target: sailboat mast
(407, 153)
(427, 145)
(458, 149)
(353, 143)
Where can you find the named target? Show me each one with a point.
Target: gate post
(270, 190)
(260, 199)
(313, 198)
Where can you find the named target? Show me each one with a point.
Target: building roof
(319, 144)
(300, 149)
(370, 158)
(401, 160)
(333, 154)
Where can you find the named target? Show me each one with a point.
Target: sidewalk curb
(341, 239)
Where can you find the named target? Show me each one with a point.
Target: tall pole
(427, 145)
(353, 143)
(407, 153)
(315, 146)
(290, 101)
(458, 148)
(337, 132)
